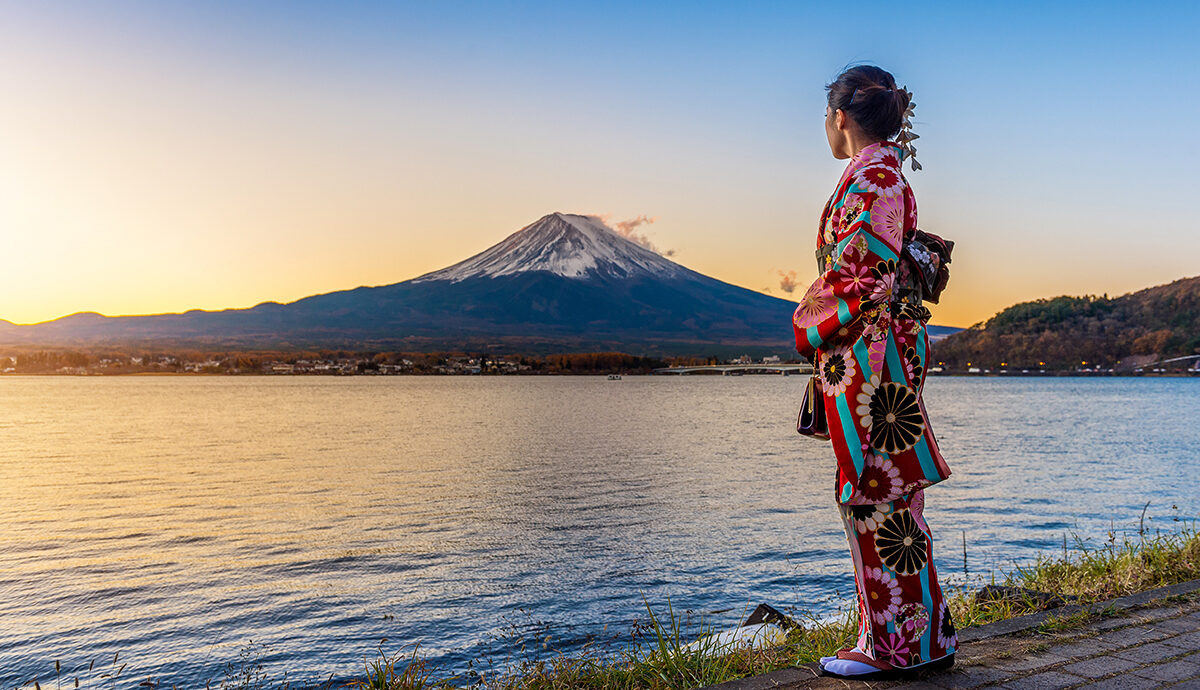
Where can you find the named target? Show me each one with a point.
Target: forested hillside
(1065, 332)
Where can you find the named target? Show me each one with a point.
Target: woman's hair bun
(869, 95)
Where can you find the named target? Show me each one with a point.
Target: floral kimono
(869, 348)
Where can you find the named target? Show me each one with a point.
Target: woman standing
(866, 336)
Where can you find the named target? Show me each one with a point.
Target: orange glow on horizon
(152, 164)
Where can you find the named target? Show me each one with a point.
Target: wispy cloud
(787, 281)
(629, 230)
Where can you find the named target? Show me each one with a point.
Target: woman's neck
(858, 143)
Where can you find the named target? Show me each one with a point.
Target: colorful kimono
(869, 349)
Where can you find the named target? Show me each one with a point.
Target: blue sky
(342, 144)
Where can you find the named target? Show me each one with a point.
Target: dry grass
(1115, 569)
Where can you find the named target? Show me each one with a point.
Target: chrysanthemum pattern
(856, 277)
(916, 368)
(912, 318)
(867, 517)
(901, 544)
(886, 156)
(887, 218)
(902, 612)
(896, 418)
(883, 595)
(916, 505)
(883, 289)
(865, 394)
(947, 636)
(880, 480)
(893, 648)
(817, 304)
(837, 370)
(881, 179)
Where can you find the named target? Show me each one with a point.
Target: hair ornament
(906, 136)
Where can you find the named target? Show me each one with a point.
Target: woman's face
(835, 123)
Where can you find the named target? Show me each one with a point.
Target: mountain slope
(567, 245)
(564, 281)
(1148, 325)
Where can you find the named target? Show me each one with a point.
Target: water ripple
(176, 519)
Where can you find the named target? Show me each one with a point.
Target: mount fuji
(567, 245)
(563, 282)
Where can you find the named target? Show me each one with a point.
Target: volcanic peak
(566, 244)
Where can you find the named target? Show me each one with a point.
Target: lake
(176, 519)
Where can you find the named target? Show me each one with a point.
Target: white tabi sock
(848, 667)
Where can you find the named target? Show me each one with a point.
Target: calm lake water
(176, 519)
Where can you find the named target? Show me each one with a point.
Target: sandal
(887, 671)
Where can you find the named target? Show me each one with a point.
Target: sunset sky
(164, 156)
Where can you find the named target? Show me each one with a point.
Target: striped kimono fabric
(903, 618)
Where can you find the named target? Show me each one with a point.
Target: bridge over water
(1195, 364)
(738, 369)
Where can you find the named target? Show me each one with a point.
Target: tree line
(133, 360)
(1069, 332)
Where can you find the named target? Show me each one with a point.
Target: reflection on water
(174, 519)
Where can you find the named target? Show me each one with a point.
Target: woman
(866, 336)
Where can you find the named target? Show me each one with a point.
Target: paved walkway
(1148, 640)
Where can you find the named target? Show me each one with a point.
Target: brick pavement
(1148, 640)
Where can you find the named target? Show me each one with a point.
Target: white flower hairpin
(906, 136)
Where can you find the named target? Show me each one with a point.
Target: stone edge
(1033, 620)
(1012, 626)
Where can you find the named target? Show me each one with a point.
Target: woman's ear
(839, 119)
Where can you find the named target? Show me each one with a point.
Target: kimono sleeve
(861, 275)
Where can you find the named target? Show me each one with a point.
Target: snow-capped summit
(566, 244)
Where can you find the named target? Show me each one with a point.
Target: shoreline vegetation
(666, 653)
(1158, 327)
(371, 363)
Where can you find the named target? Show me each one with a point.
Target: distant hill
(1122, 332)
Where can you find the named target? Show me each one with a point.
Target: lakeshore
(1126, 614)
(174, 518)
(343, 363)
